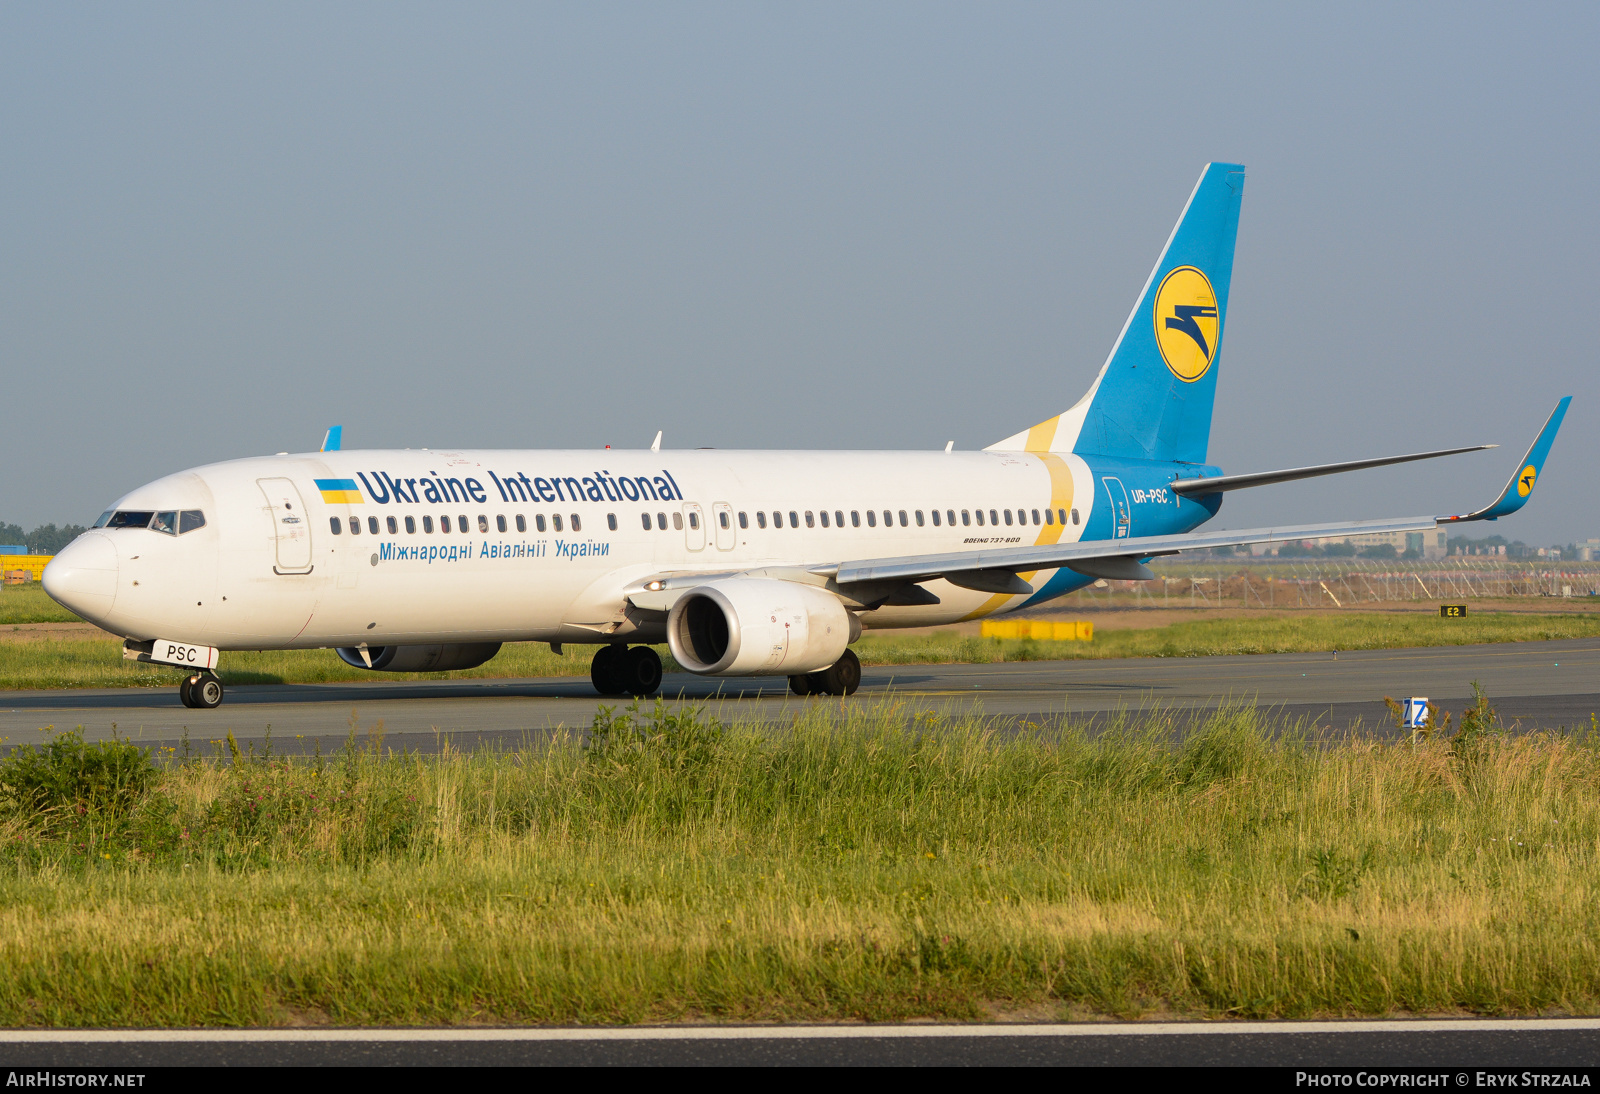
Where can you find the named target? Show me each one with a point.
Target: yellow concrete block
(1041, 630)
(1085, 631)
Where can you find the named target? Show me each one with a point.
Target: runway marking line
(795, 1033)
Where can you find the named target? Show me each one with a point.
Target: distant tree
(46, 539)
(1411, 552)
(1339, 550)
(1380, 550)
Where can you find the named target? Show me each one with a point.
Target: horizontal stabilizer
(1520, 488)
(1194, 488)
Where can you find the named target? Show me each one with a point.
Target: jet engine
(458, 655)
(758, 627)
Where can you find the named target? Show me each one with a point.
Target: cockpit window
(129, 518)
(104, 518)
(169, 521)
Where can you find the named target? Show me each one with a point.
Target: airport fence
(1339, 583)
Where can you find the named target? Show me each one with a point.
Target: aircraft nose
(83, 577)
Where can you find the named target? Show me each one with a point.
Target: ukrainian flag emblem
(339, 491)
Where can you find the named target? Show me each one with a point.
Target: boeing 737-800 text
(746, 563)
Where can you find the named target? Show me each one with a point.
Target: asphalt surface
(1453, 1050)
(1534, 685)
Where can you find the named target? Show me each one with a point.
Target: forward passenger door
(291, 525)
(727, 535)
(694, 526)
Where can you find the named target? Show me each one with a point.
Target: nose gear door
(291, 525)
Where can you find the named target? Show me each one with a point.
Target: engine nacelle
(751, 626)
(440, 658)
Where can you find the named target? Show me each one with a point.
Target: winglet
(330, 443)
(1520, 488)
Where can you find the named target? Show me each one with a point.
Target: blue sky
(225, 227)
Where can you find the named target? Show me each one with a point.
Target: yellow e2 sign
(1453, 611)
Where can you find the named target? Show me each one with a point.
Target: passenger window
(189, 520)
(394, 528)
(1036, 516)
(411, 526)
(855, 518)
(661, 521)
(811, 521)
(427, 525)
(744, 521)
(500, 522)
(694, 519)
(872, 518)
(838, 517)
(966, 517)
(903, 522)
(355, 526)
(167, 522)
(919, 518)
(980, 517)
(1074, 516)
(372, 525)
(611, 521)
(483, 523)
(824, 516)
(577, 525)
(1049, 518)
(444, 523)
(555, 521)
(794, 519)
(761, 518)
(336, 525)
(936, 518)
(722, 519)
(777, 519)
(992, 518)
(888, 519)
(522, 523)
(646, 518)
(463, 527)
(1008, 516)
(677, 522)
(950, 515)
(538, 521)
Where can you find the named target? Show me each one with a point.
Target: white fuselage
(267, 571)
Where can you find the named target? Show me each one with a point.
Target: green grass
(28, 603)
(855, 867)
(91, 662)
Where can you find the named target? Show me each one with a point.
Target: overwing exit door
(694, 520)
(291, 525)
(722, 513)
(1121, 516)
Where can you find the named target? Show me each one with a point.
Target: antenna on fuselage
(949, 445)
(655, 445)
(332, 439)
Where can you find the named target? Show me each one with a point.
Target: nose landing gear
(840, 678)
(618, 670)
(203, 691)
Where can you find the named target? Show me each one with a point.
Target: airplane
(746, 563)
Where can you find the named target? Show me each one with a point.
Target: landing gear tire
(641, 671)
(203, 692)
(606, 671)
(843, 677)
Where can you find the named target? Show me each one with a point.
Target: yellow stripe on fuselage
(342, 497)
(1060, 499)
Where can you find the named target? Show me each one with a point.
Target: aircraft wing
(995, 570)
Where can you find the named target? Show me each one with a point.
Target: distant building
(1589, 550)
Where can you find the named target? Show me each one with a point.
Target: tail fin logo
(1525, 480)
(1187, 323)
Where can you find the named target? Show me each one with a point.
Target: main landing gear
(618, 670)
(203, 691)
(842, 678)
